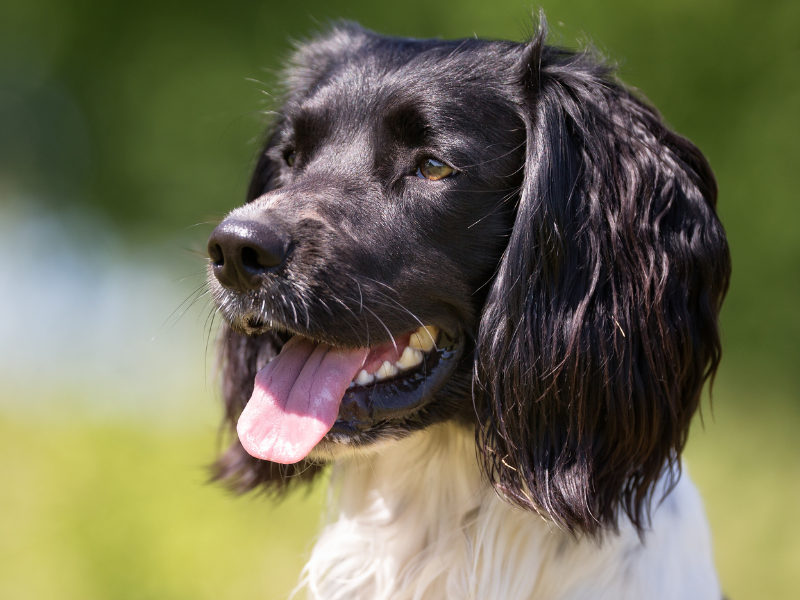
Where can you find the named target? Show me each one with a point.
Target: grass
(747, 465)
(109, 510)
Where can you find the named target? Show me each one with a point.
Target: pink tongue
(296, 399)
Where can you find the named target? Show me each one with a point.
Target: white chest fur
(416, 522)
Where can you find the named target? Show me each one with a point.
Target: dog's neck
(417, 521)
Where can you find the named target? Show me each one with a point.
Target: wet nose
(242, 252)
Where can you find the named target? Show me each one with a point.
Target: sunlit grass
(105, 510)
(747, 465)
(109, 511)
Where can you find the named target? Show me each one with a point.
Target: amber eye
(291, 157)
(433, 169)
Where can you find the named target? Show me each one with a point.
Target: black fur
(577, 251)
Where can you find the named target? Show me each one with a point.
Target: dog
(482, 280)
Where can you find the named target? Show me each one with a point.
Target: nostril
(216, 254)
(250, 259)
(261, 257)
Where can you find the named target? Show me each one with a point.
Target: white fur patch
(416, 522)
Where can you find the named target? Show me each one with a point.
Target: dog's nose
(242, 252)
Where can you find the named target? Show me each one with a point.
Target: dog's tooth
(410, 358)
(364, 378)
(424, 338)
(387, 370)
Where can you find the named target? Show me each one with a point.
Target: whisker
(193, 297)
(512, 194)
(380, 321)
(396, 302)
(494, 158)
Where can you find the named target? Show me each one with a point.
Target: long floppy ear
(600, 329)
(240, 358)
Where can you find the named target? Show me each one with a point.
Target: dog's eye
(432, 169)
(290, 158)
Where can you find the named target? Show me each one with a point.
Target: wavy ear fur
(600, 329)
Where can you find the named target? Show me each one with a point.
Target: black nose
(242, 252)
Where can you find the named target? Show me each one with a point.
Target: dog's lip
(256, 325)
(398, 399)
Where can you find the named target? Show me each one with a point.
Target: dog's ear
(601, 326)
(240, 358)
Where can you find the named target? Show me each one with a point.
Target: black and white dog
(482, 280)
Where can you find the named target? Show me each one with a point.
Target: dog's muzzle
(314, 390)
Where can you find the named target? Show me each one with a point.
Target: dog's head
(491, 232)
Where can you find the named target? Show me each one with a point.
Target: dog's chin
(339, 447)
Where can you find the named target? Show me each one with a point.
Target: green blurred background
(126, 129)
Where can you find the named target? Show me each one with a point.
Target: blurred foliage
(150, 114)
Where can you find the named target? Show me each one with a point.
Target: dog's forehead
(434, 76)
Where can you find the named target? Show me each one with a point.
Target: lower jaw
(391, 406)
(335, 447)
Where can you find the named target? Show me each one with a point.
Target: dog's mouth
(312, 391)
